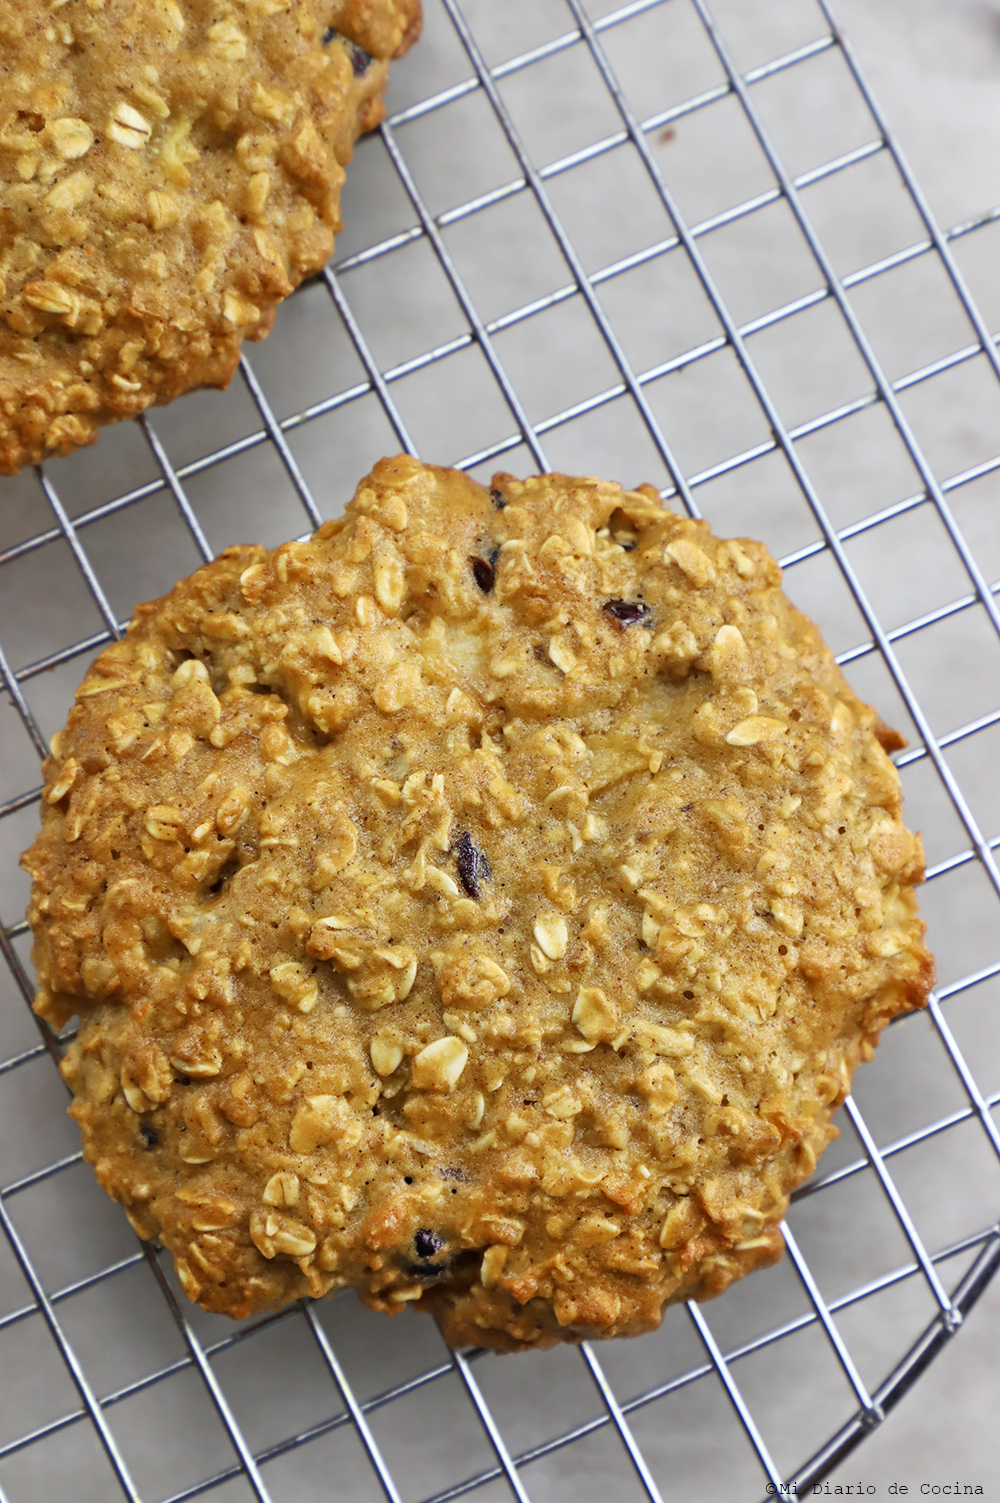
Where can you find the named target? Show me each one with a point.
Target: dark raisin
(427, 1243)
(428, 1273)
(360, 59)
(148, 1134)
(627, 612)
(484, 574)
(497, 497)
(435, 1263)
(473, 867)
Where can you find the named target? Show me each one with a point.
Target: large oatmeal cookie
(169, 171)
(484, 904)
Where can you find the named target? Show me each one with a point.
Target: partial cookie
(484, 904)
(170, 170)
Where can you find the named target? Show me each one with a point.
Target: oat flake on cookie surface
(169, 171)
(484, 904)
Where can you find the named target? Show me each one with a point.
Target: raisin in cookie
(169, 170)
(484, 904)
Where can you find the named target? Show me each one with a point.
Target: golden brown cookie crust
(169, 171)
(484, 904)
(384, 28)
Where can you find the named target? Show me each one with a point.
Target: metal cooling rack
(550, 205)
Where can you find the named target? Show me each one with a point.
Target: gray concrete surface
(935, 66)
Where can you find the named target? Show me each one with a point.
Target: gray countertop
(935, 67)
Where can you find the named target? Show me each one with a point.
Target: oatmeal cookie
(169, 171)
(484, 904)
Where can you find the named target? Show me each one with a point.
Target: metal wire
(620, 1423)
(952, 1283)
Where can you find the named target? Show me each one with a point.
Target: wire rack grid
(657, 241)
